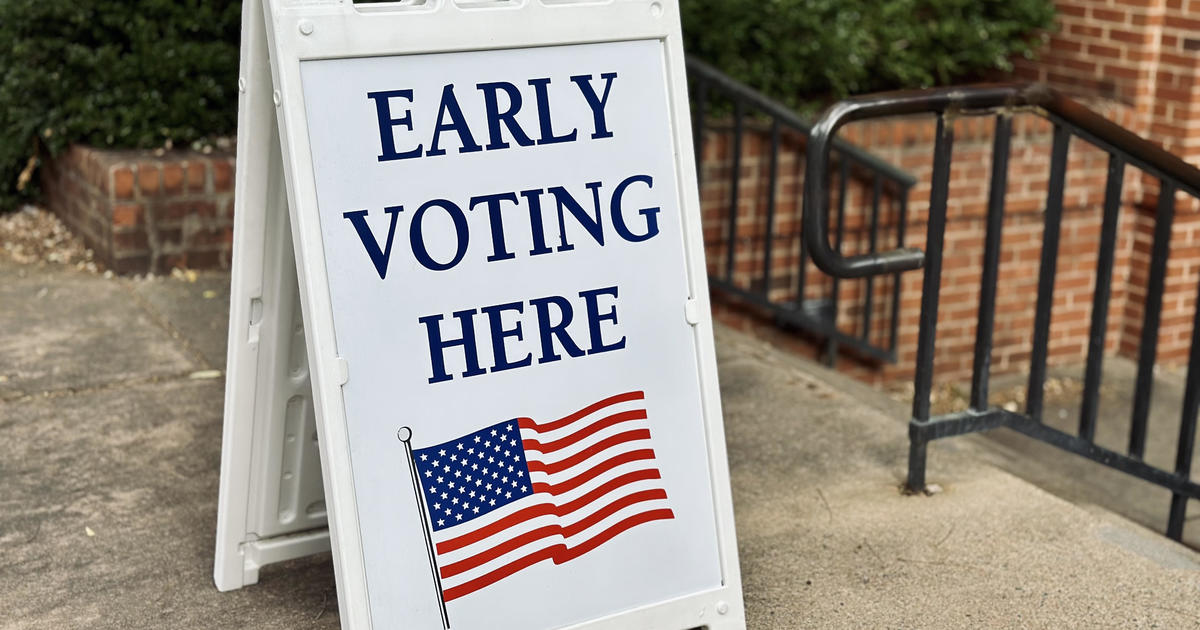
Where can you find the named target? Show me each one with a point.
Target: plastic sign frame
(300, 31)
(271, 503)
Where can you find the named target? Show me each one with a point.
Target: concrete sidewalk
(110, 424)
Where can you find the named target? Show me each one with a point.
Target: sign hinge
(691, 311)
(342, 370)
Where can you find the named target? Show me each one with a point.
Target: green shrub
(137, 73)
(112, 73)
(801, 50)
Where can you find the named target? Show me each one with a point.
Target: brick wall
(908, 143)
(1135, 61)
(144, 213)
(1144, 53)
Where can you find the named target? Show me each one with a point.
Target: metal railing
(757, 253)
(1070, 120)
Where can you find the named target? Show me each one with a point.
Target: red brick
(122, 183)
(197, 174)
(148, 178)
(222, 176)
(1104, 51)
(1106, 15)
(1186, 62)
(1061, 45)
(1085, 31)
(179, 209)
(1072, 10)
(1189, 24)
(172, 178)
(127, 215)
(1120, 71)
(1086, 66)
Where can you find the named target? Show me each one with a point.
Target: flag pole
(405, 435)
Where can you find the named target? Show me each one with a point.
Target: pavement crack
(37, 532)
(164, 323)
(75, 391)
(878, 557)
(943, 563)
(828, 509)
(944, 538)
(1182, 613)
(324, 603)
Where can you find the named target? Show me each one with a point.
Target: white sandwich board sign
(496, 232)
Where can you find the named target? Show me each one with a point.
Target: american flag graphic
(520, 492)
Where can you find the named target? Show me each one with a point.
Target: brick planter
(144, 213)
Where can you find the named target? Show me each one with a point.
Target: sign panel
(498, 255)
(504, 245)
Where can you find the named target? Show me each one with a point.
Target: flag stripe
(528, 423)
(558, 553)
(516, 518)
(582, 456)
(612, 508)
(596, 471)
(570, 553)
(544, 509)
(617, 482)
(591, 429)
(508, 546)
(466, 588)
(495, 551)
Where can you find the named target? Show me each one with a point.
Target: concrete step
(828, 540)
(1079, 480)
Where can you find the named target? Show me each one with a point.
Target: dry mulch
(34, 236)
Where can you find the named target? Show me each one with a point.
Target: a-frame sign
(486, 212)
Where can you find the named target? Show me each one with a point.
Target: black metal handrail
(974, 99)
(708, 74)
(816, 316)
(1069, 119)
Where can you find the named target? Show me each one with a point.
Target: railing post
(698, 127)
(802, 279)
(773, 182)
(1187, 430)
(872, 247)
(1100, 297)
(930, 289)
(734, 182)
(918, 447)
(1046, 272)
(981, 369)
(831, 344)
(897, 280)
(1163, 219)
